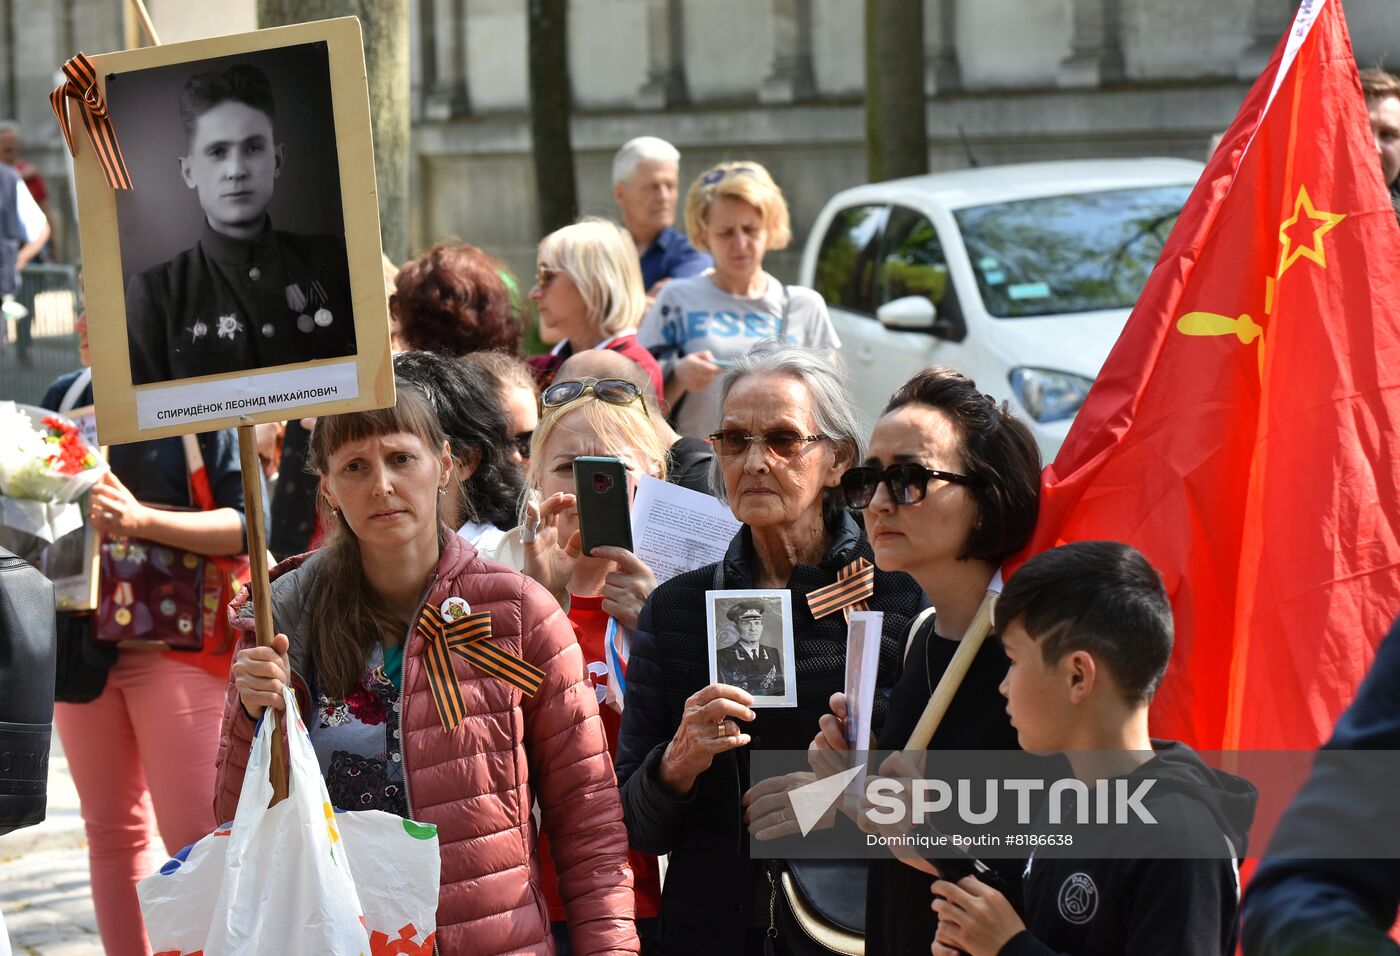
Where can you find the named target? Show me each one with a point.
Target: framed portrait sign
(239, 280)
(751, 644)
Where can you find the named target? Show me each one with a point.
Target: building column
(942, 74)
(791, 77)
(1269, 19)
(1096, 49)
(665, 85)
(445, 59)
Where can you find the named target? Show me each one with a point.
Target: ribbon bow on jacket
(854, 586)
(81, 85)
(468, 637)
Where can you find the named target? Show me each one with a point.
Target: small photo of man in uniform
(748, 663)
(246, 295)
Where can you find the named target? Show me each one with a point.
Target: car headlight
(1049, 396)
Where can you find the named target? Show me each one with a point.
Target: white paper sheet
(675, 529)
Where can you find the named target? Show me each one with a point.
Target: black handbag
(817, 907)
(81, 664)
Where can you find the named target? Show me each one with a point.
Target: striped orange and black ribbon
(855, 584)
(469, 638)
(81, 85)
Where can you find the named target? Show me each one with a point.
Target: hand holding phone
(604, 505)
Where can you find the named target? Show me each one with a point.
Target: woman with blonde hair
(588, 292)
(598, 417)
(470, 748)
(700, 325)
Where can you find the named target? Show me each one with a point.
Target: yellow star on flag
(1321, 224)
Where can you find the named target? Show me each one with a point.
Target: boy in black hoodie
(1088, 631)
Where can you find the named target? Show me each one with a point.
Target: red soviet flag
(1243, 432)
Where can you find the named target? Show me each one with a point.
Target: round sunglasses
(614, 391)
(907, 482)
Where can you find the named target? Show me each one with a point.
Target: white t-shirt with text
(693, 314)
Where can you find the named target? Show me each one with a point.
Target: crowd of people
(556, 795)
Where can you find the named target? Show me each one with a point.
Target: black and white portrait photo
(233, 247)
(751, 644)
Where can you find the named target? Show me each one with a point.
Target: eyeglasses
(907, 482)
(544, 276)
(614, 391)
(715, 175)
(522, 443)
(783, 442)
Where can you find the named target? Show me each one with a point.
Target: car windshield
(1074, 253)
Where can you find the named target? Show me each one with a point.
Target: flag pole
(953, 675)
(143, 17)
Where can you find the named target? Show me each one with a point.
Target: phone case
(604, 511)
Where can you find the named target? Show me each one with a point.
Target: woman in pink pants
(142, 753)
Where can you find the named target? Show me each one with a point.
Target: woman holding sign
(950, 489)
(468, 740)
(786, 435)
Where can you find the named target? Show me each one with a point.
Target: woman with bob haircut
(588, 292)
(596, 417)
(454, 299)
(699, 325)
(355, 619)
(950, 489)
(786, 435)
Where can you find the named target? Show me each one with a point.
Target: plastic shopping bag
(282, 879)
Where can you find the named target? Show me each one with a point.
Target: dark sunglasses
(907, 482)
(522, 443)
(783, 442)
(614, 391)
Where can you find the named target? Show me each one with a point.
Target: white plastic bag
(282, 879)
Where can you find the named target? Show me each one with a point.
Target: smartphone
(604, 506)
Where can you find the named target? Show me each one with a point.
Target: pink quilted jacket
(479, 782)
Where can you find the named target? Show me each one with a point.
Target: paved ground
(44, 892)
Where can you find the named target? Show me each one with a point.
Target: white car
(1019, 276)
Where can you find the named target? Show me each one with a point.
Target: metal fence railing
(39, 347)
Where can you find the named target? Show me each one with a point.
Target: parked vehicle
(1020, 276)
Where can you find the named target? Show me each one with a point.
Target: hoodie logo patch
(1078, 899)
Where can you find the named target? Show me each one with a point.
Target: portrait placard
(240, 279)
(751, 644)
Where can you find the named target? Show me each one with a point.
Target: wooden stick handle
(143, 16)
(953, 676)
(260, 587)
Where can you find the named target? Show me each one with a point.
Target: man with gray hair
(646, 184)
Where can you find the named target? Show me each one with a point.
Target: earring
(442, 491)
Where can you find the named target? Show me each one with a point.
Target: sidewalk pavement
(45, 896)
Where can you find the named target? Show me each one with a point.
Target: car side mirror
(912, 313)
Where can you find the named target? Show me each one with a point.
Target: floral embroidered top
(358, 739)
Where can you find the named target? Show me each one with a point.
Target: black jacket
(1146, 905)
(26, 691)
(710, 885)
(1300, 902)
(689, 464)
(228, 306)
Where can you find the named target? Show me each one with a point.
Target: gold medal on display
(123, 616)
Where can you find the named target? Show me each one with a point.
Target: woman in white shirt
(698, 325)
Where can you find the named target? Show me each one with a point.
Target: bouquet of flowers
(45, 467)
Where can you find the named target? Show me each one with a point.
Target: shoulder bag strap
(70, 397)
(918, 622)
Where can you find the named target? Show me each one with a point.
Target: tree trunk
(385, 27)
(550, 102)
(896, 132)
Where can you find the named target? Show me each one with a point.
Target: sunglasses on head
(783, 442)
(716, 175)
(614, 391)
(907, 482)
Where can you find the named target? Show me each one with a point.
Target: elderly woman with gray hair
(786, 435)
